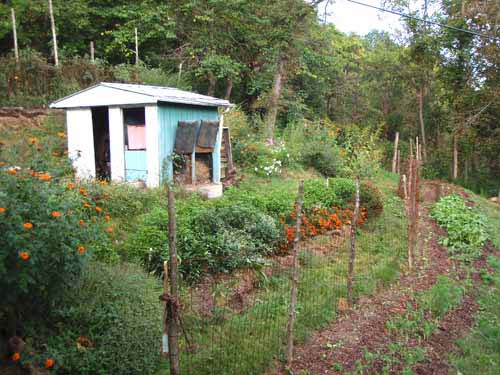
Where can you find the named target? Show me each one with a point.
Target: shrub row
(239, 229)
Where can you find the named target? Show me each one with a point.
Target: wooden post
(92, 52)
(180, 74)
(455, 157)
(417, 149)
(14, 33)
(173, 311)
(193, 168)
(398, 166)
(136, 47)
(352, 254)
(408, 208)
(394, 157)
(54, 36)
(295, 278)
(164, 342)
(405, 191)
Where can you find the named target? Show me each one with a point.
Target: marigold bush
(41, 240)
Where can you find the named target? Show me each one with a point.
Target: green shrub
(317, 194)
(442, 297)
(211, 236)
(371, 198)
(466, 227)
(109, 323)
(326, 159)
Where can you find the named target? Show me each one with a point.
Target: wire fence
(237, 324)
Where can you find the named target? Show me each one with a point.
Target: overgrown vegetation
(435, 82)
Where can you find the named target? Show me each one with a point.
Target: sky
(350, 17)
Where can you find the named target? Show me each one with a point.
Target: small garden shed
(129, 132)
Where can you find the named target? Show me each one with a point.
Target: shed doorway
(100, 125)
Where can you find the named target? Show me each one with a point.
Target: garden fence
(237, 324)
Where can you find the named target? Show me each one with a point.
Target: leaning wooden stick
(295, 278)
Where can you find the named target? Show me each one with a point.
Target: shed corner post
(216, 156)
(152, 145)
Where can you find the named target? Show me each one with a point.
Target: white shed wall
(116, 144)
(152, 145)
(81, 141)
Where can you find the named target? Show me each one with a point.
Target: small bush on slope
(465, 225)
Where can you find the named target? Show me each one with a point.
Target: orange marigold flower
(86, 204)
(61, 134)
(81, 222)
(44, 176)
(2, 210)
(32, 172)
(81, 249)
(27, 225)
(55, 214)
(55, 153)
(16, 356)
(24, 255)
(109, 230)
(107, 217)
(83, 191)
(33, 140)
(98, 209)
(49, 363)
(103, 182)
(70, 186)
(12, 171)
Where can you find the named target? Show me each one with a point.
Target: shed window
(135, 126)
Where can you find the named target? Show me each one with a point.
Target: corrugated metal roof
(106, 93)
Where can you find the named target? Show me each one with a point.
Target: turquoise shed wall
(168, 117)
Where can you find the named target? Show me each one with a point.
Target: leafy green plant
(108, 323)
(442, 297)
(465, 226)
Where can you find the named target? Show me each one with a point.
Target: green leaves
(465, 225)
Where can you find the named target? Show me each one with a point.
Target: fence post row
(295, 277)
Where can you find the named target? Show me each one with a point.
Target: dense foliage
(466, 226)
(286, 68)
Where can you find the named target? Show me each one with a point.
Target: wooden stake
(164, 342)
(136, 47)
(394, 157)
(352, 255)
(405, 191)
(92, 52)
(54, 36)
(14, 33)
(398, 166)
(295, 278)
(173, 322)
(455, 157)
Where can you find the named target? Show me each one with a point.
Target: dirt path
(336, 349)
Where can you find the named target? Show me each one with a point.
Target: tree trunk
(212, 83)
(173, 313)
(295, 278)
(136, 39)
(352, 254)
(455, 157)
(421, 118)
(229, 88)
(54, 36)
(274, 98)
(395, 156)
